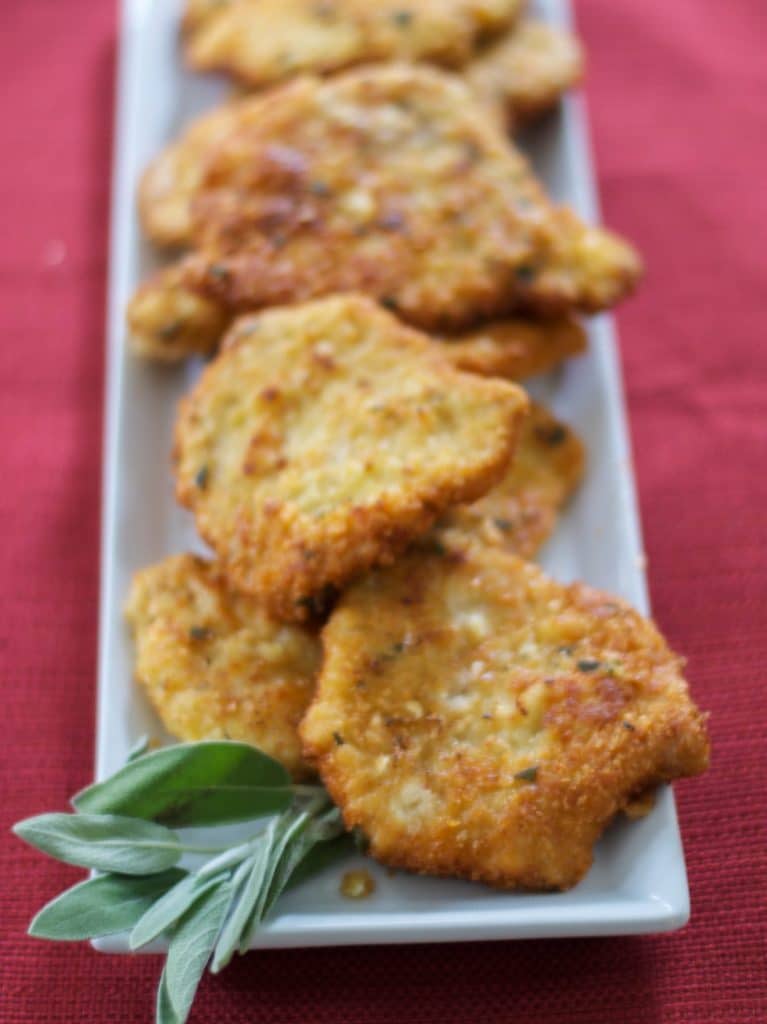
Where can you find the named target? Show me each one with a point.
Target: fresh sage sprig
(122, 828)
(208, 783)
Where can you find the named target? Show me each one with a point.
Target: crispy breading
(391, 181)
(169, 321)
(521, 511)
(516, 78)
(261, 42)
(516, 348)
(476, 719)
(524, 73)
(324, 438)
(215, 665)
(171, 180)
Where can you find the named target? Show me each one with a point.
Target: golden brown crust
(324, 438)
(262, 42)
(520, 513)
(516, 348)
(584, 268)
(213, 663)
(524, 74)
(168, 320)
(172, 178)
(390, 181)
(516, 78)
(476, 719)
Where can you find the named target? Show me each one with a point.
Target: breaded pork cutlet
(187, 323)
(179, 323)
(389, 181)
(517, 347)
(326, 437)
(520, 513)
(525, 72)
(172, 179)
(215, 665)
(516, 78)
(176, 322)
(476, 719)
(262, 42)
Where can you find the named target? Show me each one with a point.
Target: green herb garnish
(318, 605)
(432, 545)
(218, 272)
(588, 665)
(525, 274)
(120, 829)
(528, 774)
(552, 435)
(170, 330)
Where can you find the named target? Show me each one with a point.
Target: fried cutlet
(518, 77)
(474, 718)
(520, 513)
(524, 73)
(177, 322)
(215, 665)
(390, 181)
(172, 179)
(172, 322)
(324, 438)
(517, 347)
(261, 42)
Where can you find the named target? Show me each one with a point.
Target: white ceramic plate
(638, 882)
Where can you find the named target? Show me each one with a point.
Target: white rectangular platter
(638, 881)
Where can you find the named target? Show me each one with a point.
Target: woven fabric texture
(678, 100)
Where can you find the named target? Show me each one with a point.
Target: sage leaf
(140, 747)
(104, 905)
(164, 1013)
(278, 853)
(191, 946)
(172, 906)
(103, 842)
(317, 831)
(287, 829)
(120, 828)
(207, 783)
(322, 856)
(244, 900)
(228, 859)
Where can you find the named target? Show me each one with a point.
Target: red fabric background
(679, 106)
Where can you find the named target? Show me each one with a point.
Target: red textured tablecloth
(679, 108)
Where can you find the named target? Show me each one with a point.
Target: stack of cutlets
(372, 267)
